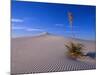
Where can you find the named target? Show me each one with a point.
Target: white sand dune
(45, 53)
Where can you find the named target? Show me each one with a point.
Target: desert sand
(46, 53)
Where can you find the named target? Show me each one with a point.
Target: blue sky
(31, 18)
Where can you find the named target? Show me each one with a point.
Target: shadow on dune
(91, 54)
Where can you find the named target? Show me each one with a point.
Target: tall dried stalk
(70, 17)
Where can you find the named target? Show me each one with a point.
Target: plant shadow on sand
(91, 54)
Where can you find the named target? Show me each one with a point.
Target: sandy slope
(45, 54)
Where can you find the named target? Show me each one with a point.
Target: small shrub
(75, 50)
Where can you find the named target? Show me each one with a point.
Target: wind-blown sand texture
(46, 53)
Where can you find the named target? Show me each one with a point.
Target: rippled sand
(46, 54)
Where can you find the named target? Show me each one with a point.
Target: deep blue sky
(31, 18)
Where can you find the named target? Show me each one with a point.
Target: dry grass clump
(74, 50)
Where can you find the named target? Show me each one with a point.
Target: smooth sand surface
(46, 53)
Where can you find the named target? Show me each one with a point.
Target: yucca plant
(74, 50)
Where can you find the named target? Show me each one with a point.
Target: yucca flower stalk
(70, 18)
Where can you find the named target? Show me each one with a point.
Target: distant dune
(46, 53)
